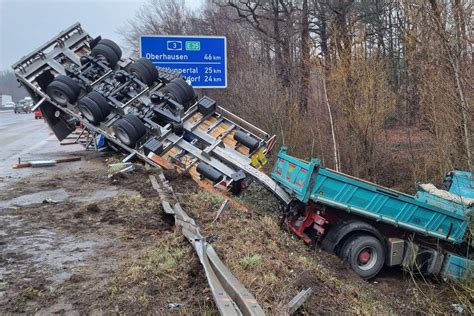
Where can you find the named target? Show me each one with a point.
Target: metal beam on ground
(230, 296)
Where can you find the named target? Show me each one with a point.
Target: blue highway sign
(200, 59)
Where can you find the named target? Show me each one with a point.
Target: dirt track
(103, 245)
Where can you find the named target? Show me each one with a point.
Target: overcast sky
(26, 24)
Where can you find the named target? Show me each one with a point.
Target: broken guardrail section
(230, 296)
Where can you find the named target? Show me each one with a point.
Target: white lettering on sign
(166, 57)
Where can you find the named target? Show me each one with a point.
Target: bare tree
(157, 17)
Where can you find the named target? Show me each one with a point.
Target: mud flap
(58, 121)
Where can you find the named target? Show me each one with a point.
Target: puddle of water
(60, 195)
(55, 255)
(57, 195)
(24, 245)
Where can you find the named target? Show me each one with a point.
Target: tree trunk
(305, 58)
(277, 39)
(453, 58)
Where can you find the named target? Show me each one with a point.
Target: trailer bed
(208, 132)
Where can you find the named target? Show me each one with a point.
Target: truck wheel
(126, 132)
(112, 45)
(104, 50)
(70, 82)
(180, 91)
(144, 70)
(150, 67)
(365, 255)
(61, 92)
(101, 102)
(189, 93)
(90, 110)
(137, 123)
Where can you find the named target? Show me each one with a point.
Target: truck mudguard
(346, 228)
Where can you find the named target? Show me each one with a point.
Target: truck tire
(365, 255)
(61, 92)
(143, 69)
(126, 132)
(101, 102)
(113, 46)
(137, 123)
(189, 93)
(107, 52)
(90, 110)
(70, 82)
(180, 91)
(150, 67)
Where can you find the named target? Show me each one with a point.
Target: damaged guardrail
(230, 296)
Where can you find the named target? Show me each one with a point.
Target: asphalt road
(21, 136)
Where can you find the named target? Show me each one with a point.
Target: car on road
(9, 105)
(23, 106)
(38, 114)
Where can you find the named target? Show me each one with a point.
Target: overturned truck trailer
(152, 114)
(143, 111)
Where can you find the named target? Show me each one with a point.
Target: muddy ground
(80, 242)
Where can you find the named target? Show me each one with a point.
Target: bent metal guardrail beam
(230, 296)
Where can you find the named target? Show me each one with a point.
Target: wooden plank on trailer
(194, 118)
(161, 161)
(219, 130)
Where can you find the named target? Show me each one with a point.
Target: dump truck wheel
(70, 82)
(112, 45)
(126, 132)
(61, 92)
(365, 255)
(107, 52)
(142, 72)
(90, 110)
(137, 123)
(101, 102)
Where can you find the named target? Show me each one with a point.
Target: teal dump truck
(369, 226)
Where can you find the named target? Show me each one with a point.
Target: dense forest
(380, 89)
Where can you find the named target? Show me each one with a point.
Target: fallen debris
(49, 200)
(93, 208)
(174, 306)
(221, 209)
(120, 167)
(43, 163)
(296, 302)
(458, 308)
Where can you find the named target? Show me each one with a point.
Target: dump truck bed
(310, 181)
